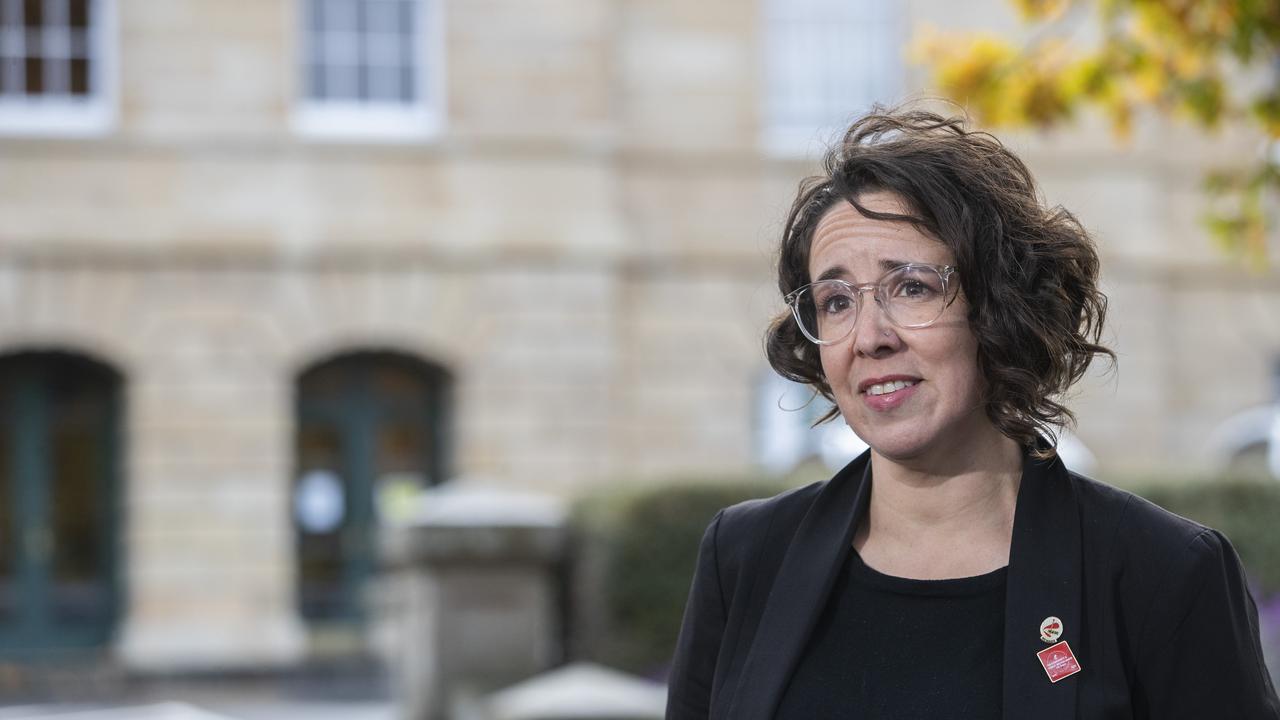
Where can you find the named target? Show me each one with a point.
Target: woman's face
(940, 411)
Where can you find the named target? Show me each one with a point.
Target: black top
(890, 647)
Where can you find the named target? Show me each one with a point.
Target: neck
(927, 520)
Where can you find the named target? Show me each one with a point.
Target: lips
(886, 393)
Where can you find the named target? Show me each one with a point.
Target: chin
(897, 446)
(899, 452)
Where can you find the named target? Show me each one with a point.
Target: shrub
(637, 552)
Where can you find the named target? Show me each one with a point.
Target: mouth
(888, 387)
(888, 393)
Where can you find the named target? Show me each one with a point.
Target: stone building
(265, 263)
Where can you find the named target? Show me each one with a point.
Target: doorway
(59, 502)
(372, 427)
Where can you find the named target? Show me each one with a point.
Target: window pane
(33, 13)
(315, 82)
(408, 8)
(401, 385)
(56, 76)
(10, 42)
(402, 448)
(55, 13)
(77, 430)
(10, 77)
(384, 84)
(339, 15)
(78, 16)
(314, 16)
(320, 554)
(342, 83)
(383, 50)
(381, 16)
(408, 86)
(340, 48)
(79, 77)
(34, 75)
(318, 448)
(77, 44)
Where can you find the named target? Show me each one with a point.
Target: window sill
(44, 117)
(353, 122)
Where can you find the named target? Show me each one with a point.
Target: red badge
(1058, 661)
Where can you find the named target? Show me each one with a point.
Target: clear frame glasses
(912, 296)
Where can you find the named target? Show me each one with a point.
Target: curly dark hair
(1029, 272)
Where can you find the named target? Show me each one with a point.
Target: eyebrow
(838, 272)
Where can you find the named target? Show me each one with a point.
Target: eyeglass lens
(912, 296)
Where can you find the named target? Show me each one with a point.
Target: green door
(370, 425)
(58, 503)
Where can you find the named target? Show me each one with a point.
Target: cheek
(953, 357)
(965, 369)
(834, 365)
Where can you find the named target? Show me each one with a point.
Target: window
(370, 68)
(785, 436)
(54, 67)
(825, 62)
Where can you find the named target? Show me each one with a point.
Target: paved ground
(227, 710)
(90, 690)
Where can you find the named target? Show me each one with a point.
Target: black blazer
(1154, 606)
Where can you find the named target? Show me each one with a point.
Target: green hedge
(645, 544)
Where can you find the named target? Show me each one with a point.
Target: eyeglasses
(912, 296)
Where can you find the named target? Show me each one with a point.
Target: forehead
(861, 247)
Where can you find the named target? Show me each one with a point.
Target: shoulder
(750, 538)
(1179, 597)
(1157, 561)
(1126, 521)
(762, 516)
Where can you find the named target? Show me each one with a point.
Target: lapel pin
(1050, 629)
(1058, 661)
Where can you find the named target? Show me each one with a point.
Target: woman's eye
(914, 289)
(836, 304)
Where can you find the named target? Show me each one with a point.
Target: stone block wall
(586, 247)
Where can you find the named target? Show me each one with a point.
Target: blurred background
(278, 277)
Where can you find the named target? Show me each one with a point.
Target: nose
(874, 335)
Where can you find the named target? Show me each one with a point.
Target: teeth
(889, 387)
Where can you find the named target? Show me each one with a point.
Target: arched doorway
(59, 502)
(370, 426)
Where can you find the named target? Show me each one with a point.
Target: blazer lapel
(1044, 579)
(821, 544)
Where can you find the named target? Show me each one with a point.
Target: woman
(956, 569)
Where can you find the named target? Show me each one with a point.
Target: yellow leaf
(1041, 10)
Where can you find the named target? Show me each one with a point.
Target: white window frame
(378, 122)
(794, 33)
(94, 115)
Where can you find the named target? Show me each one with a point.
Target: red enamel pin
(1051, 629)
(1058, 661)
